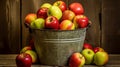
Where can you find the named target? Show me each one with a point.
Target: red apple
(25, 49)
(75, 20)
(67, 25)
(52, 23)
(76, 60)
(61, 4)
(77, 8)
(33, 55)
(42, 12)
(68, 15)
(87, 46)
(30, 18)
(82, 21)
(98, 49)
(23, 60)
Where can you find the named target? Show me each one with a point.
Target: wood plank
(8, 60)
(10, 26)
(111, 26)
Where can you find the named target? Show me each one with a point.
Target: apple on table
(33, 55)
(97, 49)
(29, 50)
(23, 60)
(89, 55)
(101, 58)
(87, 46)
(76, 60)
(25, 49)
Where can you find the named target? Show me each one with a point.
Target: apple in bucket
(77, 8)
(67, 25)
(42, 13)
(55, 11)
(68, 15)
(52, 23)
(61, 4)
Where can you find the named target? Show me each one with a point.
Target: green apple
(55, 11)
(89, 55)
(101, 58)
(33, 55)
(39, 23)
(47, 5)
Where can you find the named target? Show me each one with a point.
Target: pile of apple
(27, 56)
(58, 16)
(89, 55)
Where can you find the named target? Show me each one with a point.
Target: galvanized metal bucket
(54, 47)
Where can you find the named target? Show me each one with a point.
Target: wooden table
(8, 60)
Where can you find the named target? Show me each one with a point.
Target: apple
(39, 23)
(96, 49)
(83, 21)
(87, 46)
(47, 5)
(61, 4)
(42, 12)
(68, 15)
(75, 20)
(52, 23)
(33, 55)
(76, 60)
(23, 60)
(101, 58)
(89, 55)
(67, 25)
(77, 8)
(30, 18)
(25, 49)
(55, 11)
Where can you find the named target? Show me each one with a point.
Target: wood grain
(111, 26)
(10, 36)
(8, 60)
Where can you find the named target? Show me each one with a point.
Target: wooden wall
(104, 15)
(10, 26)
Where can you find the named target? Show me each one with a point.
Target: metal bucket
(54, 47)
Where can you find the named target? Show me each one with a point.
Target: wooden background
(104, 31)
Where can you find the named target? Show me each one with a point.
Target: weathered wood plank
(10, 26)
(111, 26)
(8, 60)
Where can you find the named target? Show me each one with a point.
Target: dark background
(104, 31)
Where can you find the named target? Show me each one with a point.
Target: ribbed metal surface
(55, 47)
